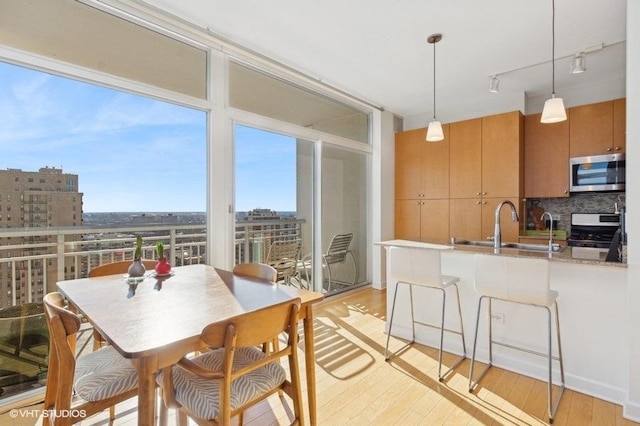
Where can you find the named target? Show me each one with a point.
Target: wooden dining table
(155, 321)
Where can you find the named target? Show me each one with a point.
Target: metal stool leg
(472, 383)
(553, 408)
(441, 375)
(388, 356)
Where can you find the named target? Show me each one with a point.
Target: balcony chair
(422, 268)
(221, 383)
(85, 386)
(336, 253)
(283, 257)
(524, 281)
(120, 267)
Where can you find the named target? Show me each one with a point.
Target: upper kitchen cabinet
(620, 124)
(486, 156)
(546, 158)
(421, 167)
(591, 128)
(503, 155)
(465, 148)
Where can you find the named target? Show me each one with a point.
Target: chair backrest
(415, 265)
(279, 250)
(254, 328)
(338, 248)
(518, 279)
(63, 325)
(256, 270)
(121, 267)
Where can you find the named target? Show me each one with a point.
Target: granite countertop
(566, 255)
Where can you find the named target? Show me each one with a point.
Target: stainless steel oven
(592, 234)
(598, 173)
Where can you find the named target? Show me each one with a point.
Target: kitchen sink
(518, 246)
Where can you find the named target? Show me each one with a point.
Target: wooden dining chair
(221, 383)
(79, 388)
(260, 271)
(113, 268)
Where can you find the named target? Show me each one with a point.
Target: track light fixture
(434, 132)
(578, 64)
(553, 111)
(494, 84)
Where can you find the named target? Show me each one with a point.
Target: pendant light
(434, 132)
(553, 111)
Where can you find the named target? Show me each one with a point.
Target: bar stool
(524, 281)
(421, 267)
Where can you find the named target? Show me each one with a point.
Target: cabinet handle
(484, 193)
(478, 193)
(477, 202)
(618, 148)
(608, 149)
(484, 202)
(565, 191)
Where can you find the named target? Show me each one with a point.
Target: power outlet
(497, 317)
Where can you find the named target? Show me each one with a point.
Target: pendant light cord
(553, 48)
(434, 81)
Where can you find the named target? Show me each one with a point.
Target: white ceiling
(377, 50)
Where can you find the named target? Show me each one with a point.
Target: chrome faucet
(497, 238)
(550, 228)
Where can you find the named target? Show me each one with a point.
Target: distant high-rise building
(46, 198)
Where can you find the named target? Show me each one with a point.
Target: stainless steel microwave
(597, 173)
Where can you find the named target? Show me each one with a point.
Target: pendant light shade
(434, 132)
(553, 111)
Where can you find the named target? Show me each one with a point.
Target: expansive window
(80, 156)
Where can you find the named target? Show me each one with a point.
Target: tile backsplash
(592, 202)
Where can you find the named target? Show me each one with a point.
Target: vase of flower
(137, 269)
(162, 267)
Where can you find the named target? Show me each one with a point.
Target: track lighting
(494, 84)
(578, 64)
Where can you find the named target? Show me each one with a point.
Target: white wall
(632, 405)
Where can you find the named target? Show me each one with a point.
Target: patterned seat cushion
(103, 374)
(201, 396)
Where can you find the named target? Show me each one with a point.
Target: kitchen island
(592, 309)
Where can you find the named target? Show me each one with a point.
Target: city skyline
(131, 153)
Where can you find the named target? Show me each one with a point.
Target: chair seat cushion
(102, 374)
(201, 396)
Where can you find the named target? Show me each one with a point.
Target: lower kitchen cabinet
(422, 220)
(474, 219)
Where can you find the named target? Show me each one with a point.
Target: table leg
(310, 363)
(146, 390)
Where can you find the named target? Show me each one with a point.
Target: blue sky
(131, 153)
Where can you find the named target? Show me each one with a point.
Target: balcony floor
(357, 387)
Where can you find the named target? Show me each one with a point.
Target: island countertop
(566, 255)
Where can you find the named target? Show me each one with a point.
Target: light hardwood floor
(357, 387)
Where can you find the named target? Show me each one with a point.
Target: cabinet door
(503, 155)
(619, 125)
(465, 148)
(591, 129)
(509, 229)
(435, 167)
(408, 167)
(434, 221)
(546, 158)
(407, 219)
(464, 218)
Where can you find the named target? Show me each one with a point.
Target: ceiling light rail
(494, 79)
